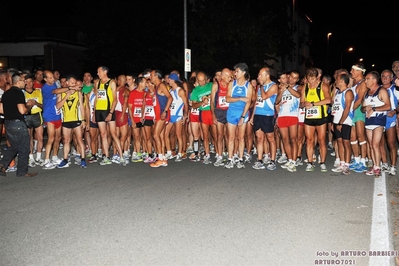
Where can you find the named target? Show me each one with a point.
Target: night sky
(370, 28)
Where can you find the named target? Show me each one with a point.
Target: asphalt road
(193, 214)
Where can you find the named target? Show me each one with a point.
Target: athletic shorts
(175, 118)
(264, 123)
(221, 115)
(33, 121)
(102, 114)
(287, 121)
(57, 123)
(118, 115)
(391, 122)
(345, 132)
(206, 117)
(148, 123)
(358, 115)
(194, 118)
(316, 122)
(93, 125)
(72, 124)
(139, 125)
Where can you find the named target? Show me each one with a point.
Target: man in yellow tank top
(105, 104)
(315, 99)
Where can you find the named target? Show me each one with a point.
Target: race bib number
(222, 102)
(260, 102)
(335, 109)
(101, 95)
(314, 112)
(137, 112)
(286, 99)
(149, 111)
(195, 111)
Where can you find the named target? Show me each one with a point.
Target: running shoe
(49, 165)
(149, 159)
(93, 159)
(360, 169)
(346, 170)
(219, 161)
(106, 161)
(83, 164)
(78, 159)
(229, 165)
(159, 163)
(310, 167)
(247, 157)
(258, 165)
(39, 162)
(116, 159)
(207, 159)
(240, 164)
(196, 158)
(298, 162)
(283, 159)
(285, 166)
(190, 149)
(377, 172)
(178, 158)
(385, 167)
(370, 172)
(63, 164)
(56, 160)
(338, 169)
(271, 166)
(392, 170)
(323, 168)
(291, 167)
(31, 163)
(11, 169)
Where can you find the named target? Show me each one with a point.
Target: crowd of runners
(276, 120)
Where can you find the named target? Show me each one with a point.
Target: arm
(125, 103)
(112, 85)
(349, 97)
(61, 101)
(182, 94)
(213, 95)
(361, 92)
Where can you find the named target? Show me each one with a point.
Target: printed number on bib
(314, 112)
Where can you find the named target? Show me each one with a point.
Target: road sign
(187, 60)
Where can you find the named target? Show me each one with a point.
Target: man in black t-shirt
(14, 108)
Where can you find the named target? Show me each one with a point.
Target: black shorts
(102, 114)
(345, 132)
(139, 125)
(264, 123)
(316, 122)
(93, 125)
(33, 121)
(148, 123)
(221, 115)
(72, 124)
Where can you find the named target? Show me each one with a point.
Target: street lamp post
(328, 50)
(350, 49)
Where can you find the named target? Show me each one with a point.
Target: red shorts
(287, 121)
(57, 123)
(118, 121)
(206, 117)
(194, 118)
